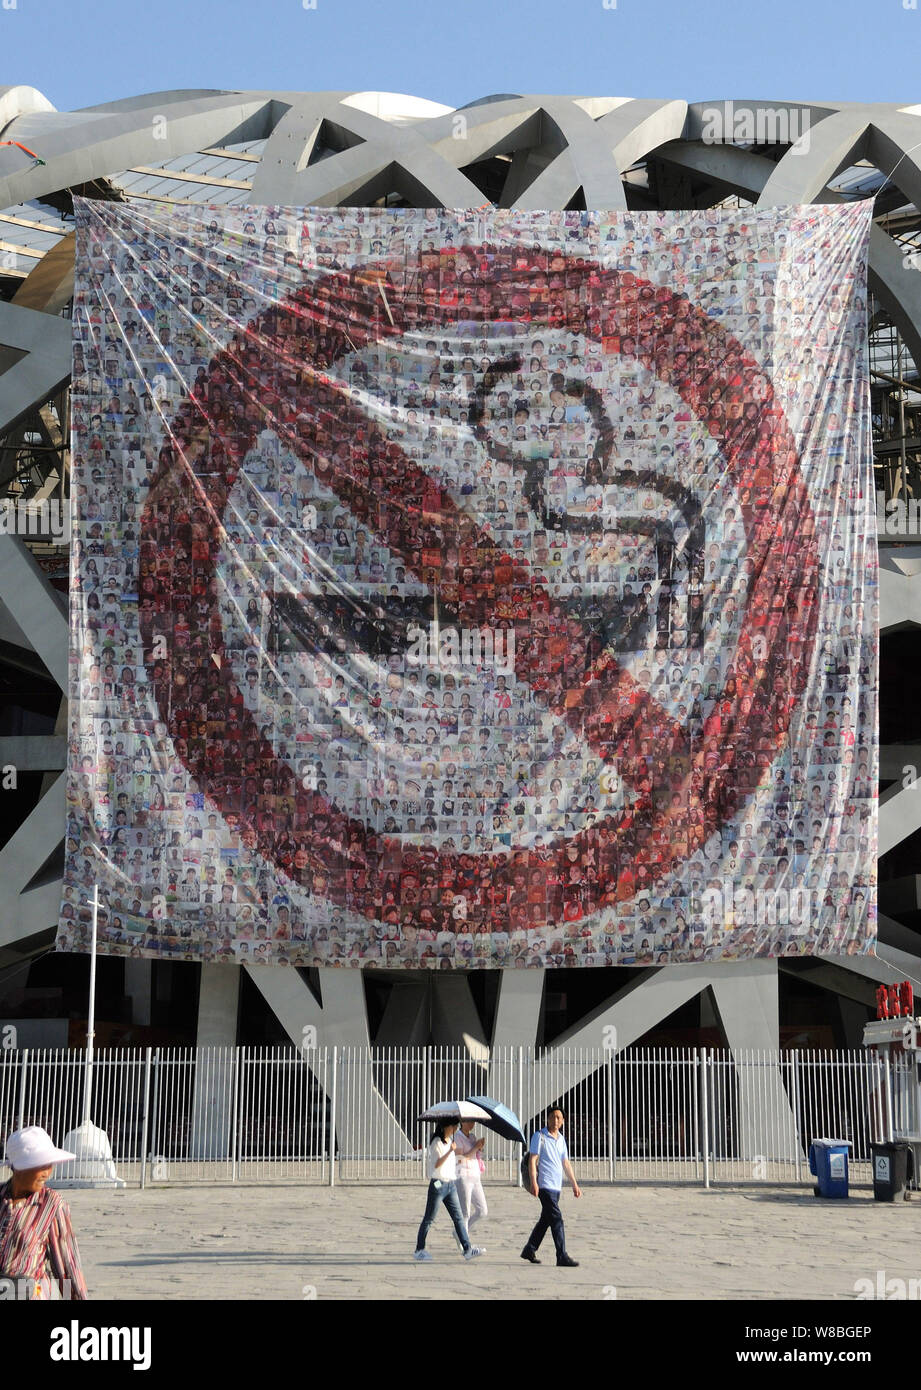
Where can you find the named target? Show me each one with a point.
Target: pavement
(355, 1242)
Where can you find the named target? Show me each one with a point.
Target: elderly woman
(37, 1243)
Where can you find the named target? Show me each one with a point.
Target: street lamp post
(93, 1165)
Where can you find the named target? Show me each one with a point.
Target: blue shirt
(552, 1150)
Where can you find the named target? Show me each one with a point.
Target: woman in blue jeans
(441, 1170)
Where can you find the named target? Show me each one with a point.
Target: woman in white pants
(470, 1173)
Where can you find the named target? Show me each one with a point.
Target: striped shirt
(37, 1241)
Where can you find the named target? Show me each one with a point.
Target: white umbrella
(455, 1110)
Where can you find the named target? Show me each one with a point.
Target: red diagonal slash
(340, 313)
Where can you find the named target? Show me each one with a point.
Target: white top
(448, 1170)
(466, 1153)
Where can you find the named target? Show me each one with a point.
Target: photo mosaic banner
(471, 589)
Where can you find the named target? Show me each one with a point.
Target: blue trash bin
(828, 1161)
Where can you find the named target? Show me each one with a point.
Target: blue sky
(453, 51)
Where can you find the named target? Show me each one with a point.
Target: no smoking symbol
(344, 313)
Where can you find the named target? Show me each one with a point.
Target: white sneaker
(474, 1251)
(421, 1255)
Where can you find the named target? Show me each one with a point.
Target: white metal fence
(327, 1115)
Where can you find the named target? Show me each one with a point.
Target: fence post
(234, 1125)
(796, 1126)
(325, 1094)
(611, 1125)
(148, 1053)
(704, 1116)
(332, 1119)
(23, 1074)
(519, 1180)
(695, 1089)
(890, 1127)
(156, 1107)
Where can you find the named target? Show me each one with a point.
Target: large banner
(471, 589)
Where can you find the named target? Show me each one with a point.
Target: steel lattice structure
(363, 149)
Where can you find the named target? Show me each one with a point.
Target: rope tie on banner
(25, 149)
(374, 276)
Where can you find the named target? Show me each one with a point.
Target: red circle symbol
(341, 858)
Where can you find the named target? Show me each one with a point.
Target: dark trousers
(550, 1217)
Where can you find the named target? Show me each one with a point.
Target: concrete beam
(138, 990)
(34, 604)
(758, 1117)
(34, 753)
(11, 632)
(615, 1025)
(51, 284)
(902, 895)
(780, 116)
(218, 1005)
(814, 160)
(893, 144)
(899, 585)
(212, 1101)
(23, 913)
(406, 1015)
(518, 1009)
(341, 178)
(455, 1017)
(887, 967)
(893, 933)
(747, 1005)
(639, 1006)
(83, 146)
(20, 101)
(894, 758)
(584, 161)
(44, 369)
(634, 130)
(899, 817)
(838, 980)
(339, 1021)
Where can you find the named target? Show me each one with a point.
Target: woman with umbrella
(470, 1169)
(441, 1170)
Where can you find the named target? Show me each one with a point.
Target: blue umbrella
(502, 1121)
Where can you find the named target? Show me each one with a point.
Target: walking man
(547, 1162)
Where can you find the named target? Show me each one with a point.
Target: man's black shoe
(568, 1262)
(528, 1254)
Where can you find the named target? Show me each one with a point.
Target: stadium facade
(384, 150)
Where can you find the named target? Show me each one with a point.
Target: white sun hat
(32, 1147)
